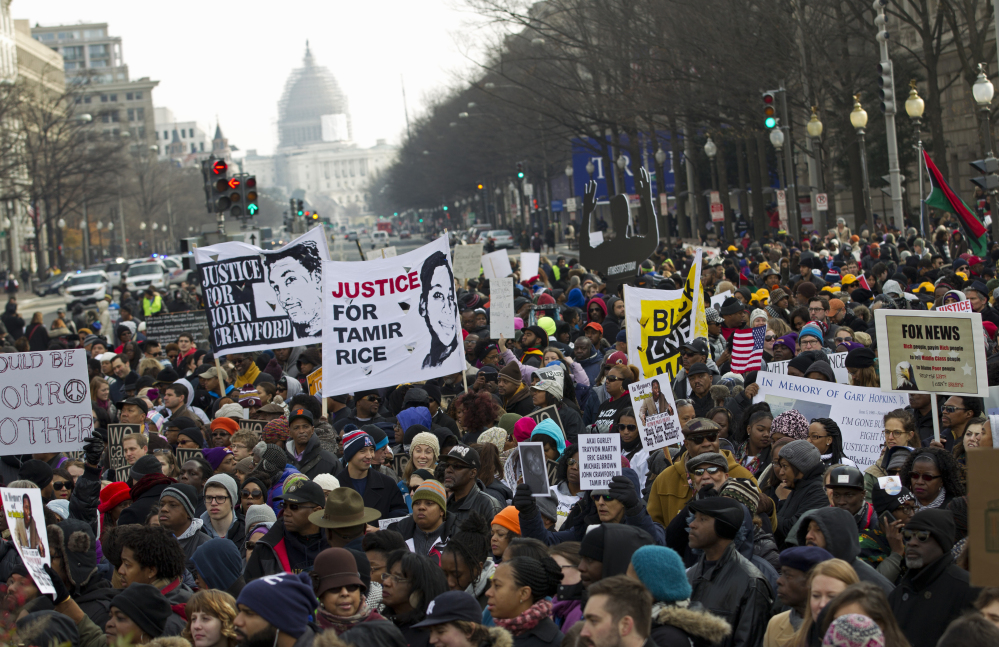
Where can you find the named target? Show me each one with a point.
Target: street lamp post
(777, 141)
(711, 150)
(814, 128)
(100, 242)
(572, 194)
(110, 238)
(858, 119)
(661, 190)
(983, 91)
(61, 224)
(914, 107)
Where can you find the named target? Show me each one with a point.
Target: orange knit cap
(509, 518)
(228, 424)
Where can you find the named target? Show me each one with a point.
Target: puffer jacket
(674, 626)
(734, 590)
(842, 540)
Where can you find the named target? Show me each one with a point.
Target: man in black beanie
(723, 581)
(144, 612)
(39, 473)
(934, 591)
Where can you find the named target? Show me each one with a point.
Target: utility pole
(887, 82)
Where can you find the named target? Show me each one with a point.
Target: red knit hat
(112, 495)
(228, 424)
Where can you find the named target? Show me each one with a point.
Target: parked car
(175, 266)
(405, 234)
(475, 231)
(51, 285)
(351, 235)
(139, 277)
(86, 287)
(379, 238)
(501, 238)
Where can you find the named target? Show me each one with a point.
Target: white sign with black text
(599, 460)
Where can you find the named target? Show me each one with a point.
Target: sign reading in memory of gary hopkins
(858, 410)
(932, 352)
(258, 300)
(391, 320)
(26, 521)
(44, 402)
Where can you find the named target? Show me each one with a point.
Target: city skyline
(367, 63)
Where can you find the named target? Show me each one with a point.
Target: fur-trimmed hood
(73, 540)
(694, 620)
(498, 637)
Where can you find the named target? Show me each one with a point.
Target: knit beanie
(549, 428)
(245, 466)
(227, 424)
(811, 329)
(275, 432)
(853, 630)
(218, 562)
(823, 369)
(792, 424)
(274, 460)
(431, 491)
(36, 471)
(509, 518)
(231, 410)
(113, 494)
(548, 325)
(507, 421)
(661, 570)
(511, 372)
(185, 494)
(228, 483)
(326, 482)
(216, 455)
(522, 429)
(801, 455)
(758, 312)
(258, 514)
(939, 523)
(284, 600)
(147, 464)
(429, 440)
(145, 606)
(743, 491)
(495, 436)
(194, 434)
(354, 442)
(377, 434)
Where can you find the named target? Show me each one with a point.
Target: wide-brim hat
(344, 508)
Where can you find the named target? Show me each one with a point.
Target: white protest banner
(261, 300)
(931, 352)
(501, 308)
(858, 410)
(836, 360)
(599, 460)
(529, 264)
(467, 260)
(23, 509)
(44, 402)
(718, 299)
(957, 306)
(658, 424)
(391, 320)
(496, 265)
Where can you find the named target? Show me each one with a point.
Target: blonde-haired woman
(209, 619)
(423, 454)
(826, 580)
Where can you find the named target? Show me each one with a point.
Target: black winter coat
(315, 459)
(477, 501)
(927, 600)
(139, 510)
(544, 634)
(674, 626)
(265, 561)
(380, 493)
(842, 540)
(735, 590)
(85, 497)
(808, 494)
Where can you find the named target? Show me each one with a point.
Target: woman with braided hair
(467, 559)
(825, 434)
(518, 600)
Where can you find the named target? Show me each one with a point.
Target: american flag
(747, 349)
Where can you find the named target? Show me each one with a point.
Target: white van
(379, 238)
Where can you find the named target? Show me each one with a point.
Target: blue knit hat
(284, 600)
(811, 329)
(662, 572)
(218, 563)
(550, 428)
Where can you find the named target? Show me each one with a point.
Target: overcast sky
(366, 45)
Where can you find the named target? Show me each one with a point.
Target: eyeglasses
(220, 433)
(920, 476)
(921, 535)
(395, 578)
(372, 398)
(895, 434)
(571, 462)
(843, 339)
(210, 498)
(700, 438)
(819, 309)
(238, 446)
(253, 494)
(950, 408)
(62, 485)
(163, 451)
(714, 469)
(350, 588)
(814, 437)
(622, 427)
(295, 507)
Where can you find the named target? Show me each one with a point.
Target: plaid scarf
(527, 620)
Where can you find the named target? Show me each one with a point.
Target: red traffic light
(768, 97)
(233, 183)
(219, 167)
(251, 183)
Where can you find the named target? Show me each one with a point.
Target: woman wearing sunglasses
(933, 476)
(626, 425)
(62, 483)
(253, 492)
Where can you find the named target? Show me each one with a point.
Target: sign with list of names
(599, 460)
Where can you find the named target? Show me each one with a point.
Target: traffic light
(989, 181)
(886, 84)
(769, 109)
(301, 208)
(315, 215)
(231, 199)
(480, 187)
(520, 170)
(217, 173)
(250, 195)
(445, 207)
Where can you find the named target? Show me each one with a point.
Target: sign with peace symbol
(75, 391)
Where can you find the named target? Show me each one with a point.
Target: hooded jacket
(692, 625)
(143, 499)
(840, 531)
(735, 590)
(927, 600)
(270, 555)
(315, 459)
(591, 365)
(671, 491)
(808, 494)
(619, 543)
(520, 402)
(13, 322)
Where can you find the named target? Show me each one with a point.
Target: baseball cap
(846, 476)
(700, 426)
(595, 326)
(214, 372)
(452, 606)
(699, 346)
(615, 358)
(139, 402)
(697, 369)
(307, 492)
(300, 412)
(464, 455)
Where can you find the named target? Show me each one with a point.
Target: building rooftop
(310, 93)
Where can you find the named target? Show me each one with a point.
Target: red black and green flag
(943, 198)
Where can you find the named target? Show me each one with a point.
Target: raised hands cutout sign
(619, 258)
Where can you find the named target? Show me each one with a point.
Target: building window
(72, 53)
(131, 114)
(86, 99)
(201, 145)
(193, 149)
(115, 117)
(104, 98)
(166, 136)
(138, 96)
(364, 167)
(114, 97)
(140, 114)
(190, 133)
(128, 96)
(142, 132)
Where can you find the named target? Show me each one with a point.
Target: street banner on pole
(858, 410)
(391, 320)
(782, 208)
(931, 352)
(822, 201)
(261, 300)
(44, 402)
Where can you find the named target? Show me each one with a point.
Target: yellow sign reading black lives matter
(931, 352)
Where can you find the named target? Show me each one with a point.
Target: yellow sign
(315, 379)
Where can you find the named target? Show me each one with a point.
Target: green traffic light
(421, 219)
(301, 213)
(770, 122)
(520, 175)
(445, 207)
(252, 209)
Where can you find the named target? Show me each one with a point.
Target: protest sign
(23, 509)
(315, 380)
(546, 310)
(44, 402)
(529, 264)
(658, 322)
(166, 328)
(959, 306)
(184, 455)
(718, 299)
(836, 360)
(551, 411)
(384, 252)
(383, 524)
(399, 462)
(261, 300)
(983, 517)
(599, 460)
(931, 352)
(496, 265)
(116, 449)
(658, 424)
(467, 260)
(534, 468)
(392, 320)
(253, 425)
(501, 308)
(858, 410)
